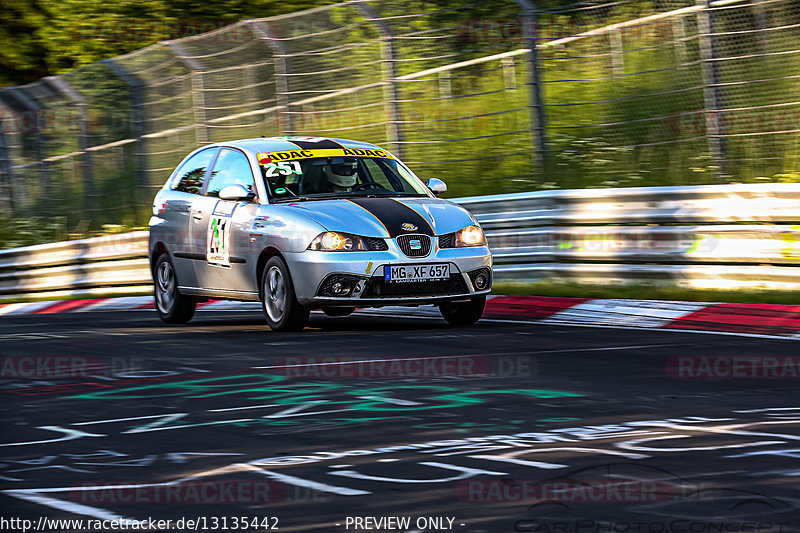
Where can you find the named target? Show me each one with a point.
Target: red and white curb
(770, 320)
(112, 304)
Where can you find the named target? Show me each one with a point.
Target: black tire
(281, 308)
(463, 313)
(338, 311)
(172, 306)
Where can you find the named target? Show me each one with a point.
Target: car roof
(280, 144)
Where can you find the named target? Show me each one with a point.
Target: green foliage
(17, 232)
(41, 37)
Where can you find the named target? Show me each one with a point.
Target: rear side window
(191, 174)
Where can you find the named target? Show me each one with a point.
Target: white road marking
(360, 361)
(768, 409)
(243, 407)
(64, 505)
(660, 330)
(394, 401)
(313, 485)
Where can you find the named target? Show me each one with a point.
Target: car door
(220, 228)
(175, 210)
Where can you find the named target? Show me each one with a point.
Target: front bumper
(311, 269)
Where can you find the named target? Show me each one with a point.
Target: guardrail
(724, 237)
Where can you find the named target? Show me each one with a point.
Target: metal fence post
(538, 118)
(135, 89)
(711, 95)
(394, 132)
(445, 87)
(282, 71)
(509, 73)
(679, 40)
(617, 59)
(6, 173)
(61, 85)
(198, 96)
(40, 151)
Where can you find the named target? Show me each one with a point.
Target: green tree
(42, 37)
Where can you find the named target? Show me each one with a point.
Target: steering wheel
(368, 185)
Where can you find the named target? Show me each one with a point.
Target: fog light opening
(481, 282)
(340, 289)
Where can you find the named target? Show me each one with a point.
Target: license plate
(411, 273)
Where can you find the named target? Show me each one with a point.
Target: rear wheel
(172, 306)
(281, 308)
(338, 311)
(463, 313)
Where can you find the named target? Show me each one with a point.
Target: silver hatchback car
(304, 223)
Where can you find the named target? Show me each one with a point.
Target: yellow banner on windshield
(289, 155)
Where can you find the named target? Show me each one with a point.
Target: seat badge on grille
(408, 226)
(415, 244)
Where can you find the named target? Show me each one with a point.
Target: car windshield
(315, 175)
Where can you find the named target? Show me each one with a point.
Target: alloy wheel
(275, 294)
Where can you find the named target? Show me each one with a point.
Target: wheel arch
(266, 254)
(159, 248)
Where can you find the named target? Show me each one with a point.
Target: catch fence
(493, 96)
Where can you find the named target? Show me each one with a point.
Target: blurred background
(100, 102)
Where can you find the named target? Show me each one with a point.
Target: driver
(342, 176)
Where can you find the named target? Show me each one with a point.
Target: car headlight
(333, 241)
(470, 236)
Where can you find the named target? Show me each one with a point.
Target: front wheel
(463, 313)
(281, 308)
(172, 306)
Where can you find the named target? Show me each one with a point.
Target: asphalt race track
(497, 428)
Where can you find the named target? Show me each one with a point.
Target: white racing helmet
(342, 173)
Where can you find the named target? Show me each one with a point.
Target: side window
(232, 167)
(191, 173)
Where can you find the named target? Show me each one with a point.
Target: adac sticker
(266, 158)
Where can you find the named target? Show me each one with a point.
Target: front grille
(447, 241)
(378, 245)
(379, 288)
(422, 245)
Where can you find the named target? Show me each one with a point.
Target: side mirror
(436, 186)
(234, 192)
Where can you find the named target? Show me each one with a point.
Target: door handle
(197, 215)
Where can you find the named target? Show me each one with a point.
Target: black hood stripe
(393, 214)
(321, 145)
